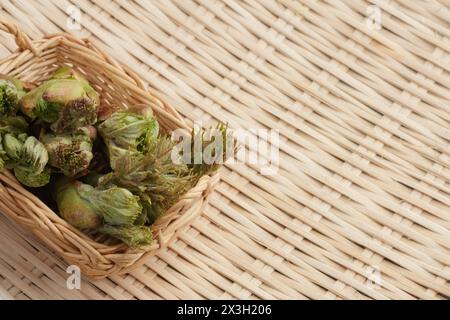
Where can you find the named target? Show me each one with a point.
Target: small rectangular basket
(118, 86)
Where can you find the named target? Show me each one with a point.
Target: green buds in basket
(66, 102)
(130, 174)
(156, 177)
(115, 206)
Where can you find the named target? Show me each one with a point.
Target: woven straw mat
(359, 93)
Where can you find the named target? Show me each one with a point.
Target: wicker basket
(34, 61)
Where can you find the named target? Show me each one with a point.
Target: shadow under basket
(120, 87)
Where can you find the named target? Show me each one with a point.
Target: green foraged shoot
(130, 178)
(70, 153)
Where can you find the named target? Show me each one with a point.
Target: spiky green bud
(117, 206)
(129, 132)
(71, 153)
(133, 236)
(28, 157)
(13, 147)
(34, 155)
(11, 92)
(73, 208)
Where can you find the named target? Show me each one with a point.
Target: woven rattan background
(364, 121)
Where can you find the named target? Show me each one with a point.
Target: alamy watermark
(258, 148)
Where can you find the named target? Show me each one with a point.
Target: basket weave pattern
(118, 87)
